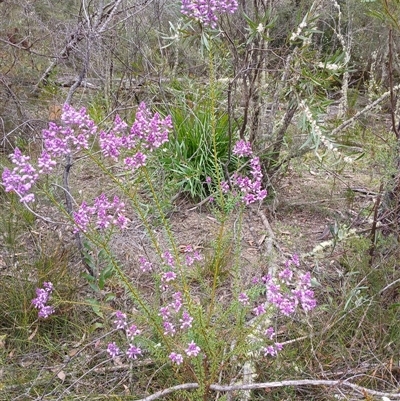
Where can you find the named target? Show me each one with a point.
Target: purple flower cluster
(145, 265)
(152, 130)
(149, 131)
(207, 11)
(303, 293)
(131, 331)
(174, 317)
(250, 187)
(244, 299)
(57, 140)
(169, 275)
(168, 259)
(287, 302)
(111, 142)
(176, 358)
(106, 213)
(242, 149)
(272, 349)
(74, 133)
(192, 350)
(191, 255)
(21, 178)
(286, 294)
(42, 297)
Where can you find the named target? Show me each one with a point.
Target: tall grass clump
(188, 159)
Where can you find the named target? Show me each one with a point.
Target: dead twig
(271, 237)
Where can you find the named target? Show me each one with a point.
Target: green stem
(133, 198)
(218, 251)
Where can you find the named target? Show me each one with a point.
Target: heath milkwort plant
(42, 297)
(207, 11)
(130, 147)
(250, 188)
(131, 331)
(181, 324)
(284, 295)
(176, 322)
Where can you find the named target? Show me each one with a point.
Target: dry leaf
(33, 334)
(55, 111)
(61, 375)
(73, 352)
(261, 240)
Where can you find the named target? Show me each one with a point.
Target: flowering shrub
(180, 330)
(131, 331)
(284, 294)
(176, 320)
(269, 296)
(207, 11)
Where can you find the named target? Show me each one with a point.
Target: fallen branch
(348, 122)
(162, 393)
(307, 382)
(283, 383)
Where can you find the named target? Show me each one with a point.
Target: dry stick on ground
(283, 383)
(351, 120)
